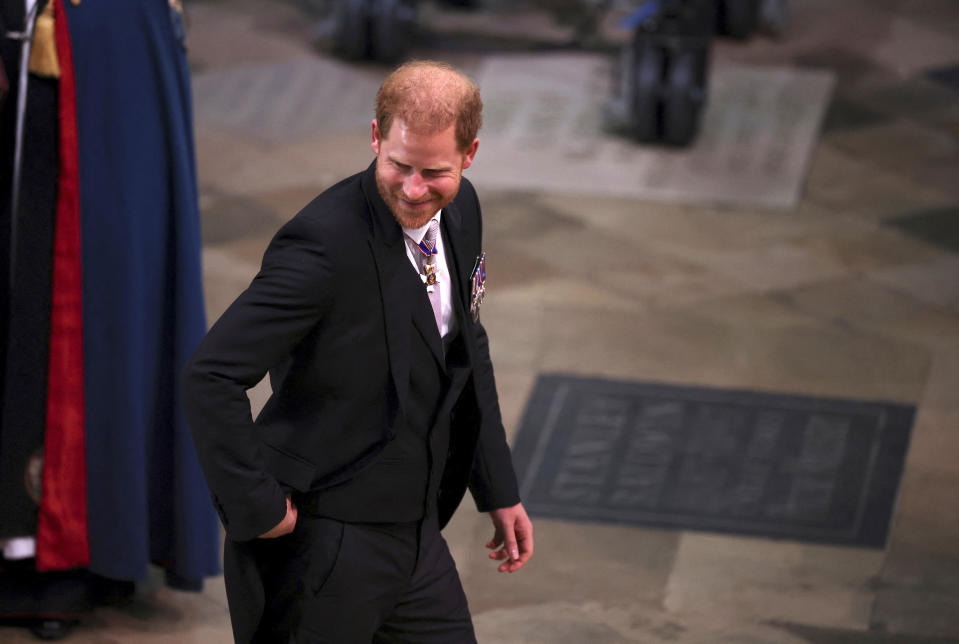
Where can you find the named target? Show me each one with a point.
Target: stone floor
(851, 292)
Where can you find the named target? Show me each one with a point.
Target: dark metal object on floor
(380, 30)
(661, 76)
(660, 85)
(737, 18)
(742, 18)
(392, 25)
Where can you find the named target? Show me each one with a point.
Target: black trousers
(344, 583)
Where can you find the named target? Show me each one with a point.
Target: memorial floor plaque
(782, 466)
(543, 131)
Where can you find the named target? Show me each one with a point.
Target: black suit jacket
(330, 315)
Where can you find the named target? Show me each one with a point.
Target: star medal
(429, 275)
(479, 286)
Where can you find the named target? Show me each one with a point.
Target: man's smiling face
(418, 173)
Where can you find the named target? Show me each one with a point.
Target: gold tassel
(43, 49)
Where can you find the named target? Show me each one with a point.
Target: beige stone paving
(848, 184)
(934, 282)
(757, 580)
(562, 622)
(244, 33)
(924, 154)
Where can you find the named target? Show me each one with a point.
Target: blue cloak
(143, 311)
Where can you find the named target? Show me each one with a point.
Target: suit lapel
(403, 295)
(389, 252)
(460, 261)
(457, 256)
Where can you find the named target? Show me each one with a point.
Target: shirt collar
(417, 234)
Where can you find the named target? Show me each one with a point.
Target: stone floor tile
(935, 282)
(570, 294)
(866, 249)
(221, 36)
(851, 184)
(576, 562)
(225, 276)
(302, 99)
(227, 218)
(564, 622)
(670, 284)
(939, 15)
(257, 167)
(518, 333)
(754, 579)
(938, 227)
(760, 311)
(826, 360)
(844, 114)
(876, 635)
(514, 387)
(854, 300)
(934, 442)
(935, 329)
(580, 253)
(909, 98)
(910, 47)
(515, 216)
(911, 565)
(939, 393)
(285, 202)
(222, 155)
(917, 589)
(926, 515)
(509, 267)
(890, 37)
(917, 613)
(924, 154)
(699, 228)
(775, 266)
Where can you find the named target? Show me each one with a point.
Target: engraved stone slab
(543, 131)
(783, 466)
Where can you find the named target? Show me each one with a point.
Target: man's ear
(375, 138)
(470, 153)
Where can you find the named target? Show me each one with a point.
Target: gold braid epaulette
(43, 49)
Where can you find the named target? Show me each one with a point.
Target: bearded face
(418, 173)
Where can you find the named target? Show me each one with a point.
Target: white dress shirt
(444, 281)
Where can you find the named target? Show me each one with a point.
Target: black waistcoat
(402, 483)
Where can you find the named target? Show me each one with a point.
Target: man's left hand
(513, 538)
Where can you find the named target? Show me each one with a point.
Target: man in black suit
(365, 313)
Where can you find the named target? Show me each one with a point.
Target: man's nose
(414, 187)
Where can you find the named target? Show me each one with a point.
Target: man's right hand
(285, 526)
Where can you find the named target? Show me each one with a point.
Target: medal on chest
(478, 290)
(430, 275)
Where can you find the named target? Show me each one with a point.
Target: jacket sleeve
(492, 479)
(283, 303)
